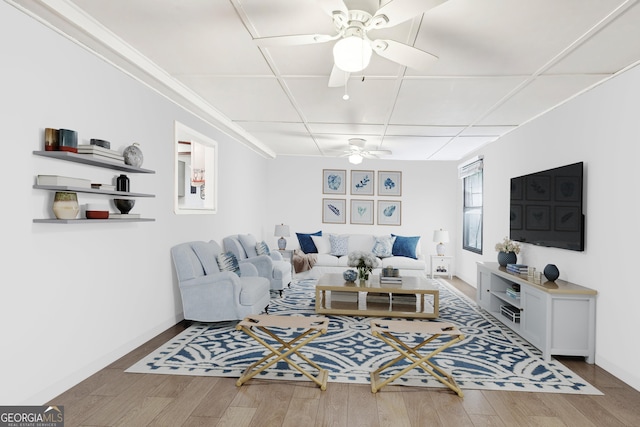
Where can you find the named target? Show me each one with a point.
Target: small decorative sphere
(551, 272)
(350, 275)
(133, 155)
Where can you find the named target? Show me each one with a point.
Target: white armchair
(211, 295)
(272, 266)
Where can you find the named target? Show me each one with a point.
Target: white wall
(428, 199)
(599, 128)
(76, 297)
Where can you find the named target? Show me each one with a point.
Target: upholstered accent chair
(271, 266)
(212, 295)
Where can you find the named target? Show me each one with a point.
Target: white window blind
(469, 168)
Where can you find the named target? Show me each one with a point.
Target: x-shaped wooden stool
(384, 329)
(312, 326)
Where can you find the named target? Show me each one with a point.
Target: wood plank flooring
(112, 397)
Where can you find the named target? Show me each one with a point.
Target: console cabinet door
(483, 296)
(533, 318)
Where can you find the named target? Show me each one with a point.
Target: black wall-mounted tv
(546, 208)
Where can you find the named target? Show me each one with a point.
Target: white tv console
(557, 317)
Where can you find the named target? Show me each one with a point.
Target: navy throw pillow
(306, 242)
(405, 246)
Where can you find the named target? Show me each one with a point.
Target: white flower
(362, 259)
(508, 246)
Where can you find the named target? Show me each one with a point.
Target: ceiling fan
(356, 151)
(352, 52)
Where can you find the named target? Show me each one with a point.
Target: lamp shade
(352, 54)
(440, 236)
(281, 230)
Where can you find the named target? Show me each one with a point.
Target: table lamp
(282, 231)
(441, 236)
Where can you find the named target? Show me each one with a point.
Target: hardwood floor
(112, 397)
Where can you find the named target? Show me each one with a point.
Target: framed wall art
(334, 181)
(334, 211)
(389, 212)
(361, 211)
(362, 182)
(389, 183)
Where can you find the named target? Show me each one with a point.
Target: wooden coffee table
(416, 297)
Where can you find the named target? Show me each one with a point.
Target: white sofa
(326, 262)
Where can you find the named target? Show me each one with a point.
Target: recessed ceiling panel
(610, 50)
(449, 102)
(289, 138)
(414, 147)
(244, 99)
(541, 95)
(370, 101)
(458, 148)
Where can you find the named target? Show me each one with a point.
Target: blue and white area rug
(491, 357)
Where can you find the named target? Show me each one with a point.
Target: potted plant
(508, 251)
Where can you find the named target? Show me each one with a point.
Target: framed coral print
(389, 212)
(361, 211)
(334, 181)
(334, 211)
(389, 183)
(362, 183)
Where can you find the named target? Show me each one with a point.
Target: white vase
(65, 205)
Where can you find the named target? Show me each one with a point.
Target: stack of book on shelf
(123, 216)
(514, 291)
(63, 181)
(517, 268)
(100, 153)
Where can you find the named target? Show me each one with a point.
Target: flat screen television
(546, 208)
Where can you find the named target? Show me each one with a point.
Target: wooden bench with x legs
(387, 330)
(310, 328)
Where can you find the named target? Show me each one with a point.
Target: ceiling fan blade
(380, 152)
(338, 77)
(404, 54)
(398, 11)
(300, 39)
(332, 6)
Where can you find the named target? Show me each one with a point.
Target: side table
(287, 255)
(441, 266)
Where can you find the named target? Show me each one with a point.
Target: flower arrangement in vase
(507, 251)
(364, 262)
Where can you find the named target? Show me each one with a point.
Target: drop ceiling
(501, 63)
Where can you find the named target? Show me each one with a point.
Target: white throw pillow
(322, 244)
(383, 247)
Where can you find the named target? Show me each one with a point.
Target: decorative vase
(122, 183)
(505, 258)
(350, 275)
(124, 205)
(65, 205)
(551, 272)
(133, 155)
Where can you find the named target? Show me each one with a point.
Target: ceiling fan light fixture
(355, 159)
(352, 54)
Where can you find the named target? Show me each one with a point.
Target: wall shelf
(88, 159)
(91, 190)
(83, 220)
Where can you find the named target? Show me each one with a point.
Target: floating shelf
(87, 160)
(91, 190)
(83, 220)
